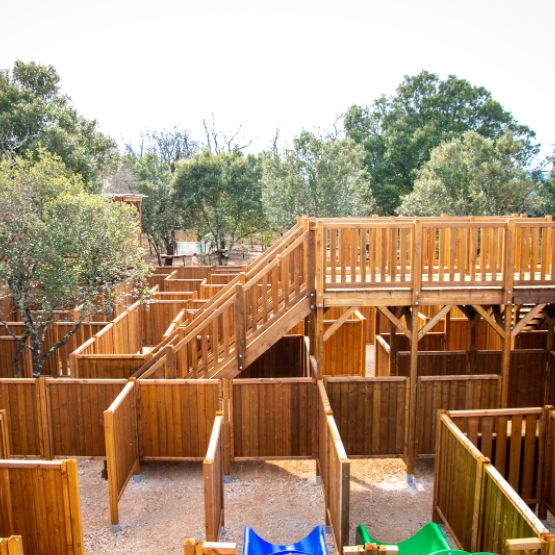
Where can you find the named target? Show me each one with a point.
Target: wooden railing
(213, 344)
(213, 472)
(435, 252)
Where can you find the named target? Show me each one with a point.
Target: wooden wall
(176, 417)
(156, 317)
(213, 473)
(345, 350)
(40, 501)
(449, 392)
(274, 418)
(334, 468)
(122, 445)
(370, 414)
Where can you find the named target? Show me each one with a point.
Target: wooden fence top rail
(32, 463)
(494, 412)
(459, 377)
(121, 397)
(525, 511)
(214, 439)
(463, 439)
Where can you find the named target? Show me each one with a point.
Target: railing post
(509, 266)
(240, 327)
(416, 266)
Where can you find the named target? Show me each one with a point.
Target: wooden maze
(268, 361)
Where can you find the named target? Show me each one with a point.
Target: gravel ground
(281, 500)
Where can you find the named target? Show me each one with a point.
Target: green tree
(399, 132)
(317, 177)
(473, 176)
(33, 112)
(220, 196)
(61, 248)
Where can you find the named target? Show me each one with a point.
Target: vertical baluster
(403, 255)
(441, 246)
(393, 256)
(363, 249)
(544, 251)
(354, 254)
(342, 255)
(535, 240)
(285, 280)
(383, 253)
(333, 253)
(372, 242)
(452, 253)
(275, 290)
(265, 298)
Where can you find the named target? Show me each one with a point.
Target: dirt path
(281, 500)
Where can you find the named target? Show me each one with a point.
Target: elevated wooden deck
(385, 262)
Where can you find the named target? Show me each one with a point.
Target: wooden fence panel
(513, 440)
(122, 445)
(213, 472)
(527, 378)
(8, 346)
(156, 316)
(449, 392)
(74, 411)
(106, 367)
(274, 418)
(345, 350)
(370, 414)
(505, 516)
(458, 467)
(175, 417)
(40, 502)
(19, 398)
(433, 363)
(334, 467)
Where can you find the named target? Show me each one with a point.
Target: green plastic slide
(427, 540)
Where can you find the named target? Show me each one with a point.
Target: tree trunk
(36, 356)
(171, 249)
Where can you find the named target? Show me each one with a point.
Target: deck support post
(506, 355)
(413, 382)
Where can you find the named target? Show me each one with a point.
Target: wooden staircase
(246, 317)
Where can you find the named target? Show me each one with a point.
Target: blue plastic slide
(313, 544)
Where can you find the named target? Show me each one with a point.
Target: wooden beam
(339, 322)
(506, 356)
(523, 321)
(489, 319)
(433, 321)
(394, 320)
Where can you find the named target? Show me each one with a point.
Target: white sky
(136, 65)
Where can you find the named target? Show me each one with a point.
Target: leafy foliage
(220, 195)
(473, 176)
(317, 177)
(398, 133)
(33, 112)
(61, 248)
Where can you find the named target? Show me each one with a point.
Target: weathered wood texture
(175, 417)
(40, 502)
(370, 414)
(548, 488)
(274, 418)
(334, 468)
(480, 509)
(213, 473)
(446, 393)
(122, 445)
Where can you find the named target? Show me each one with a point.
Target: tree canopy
(317, 177)
(473, 176)
(219, 194)
(61, 248)
(33, 113)
(399, 132)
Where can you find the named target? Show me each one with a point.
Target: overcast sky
(134, 65)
